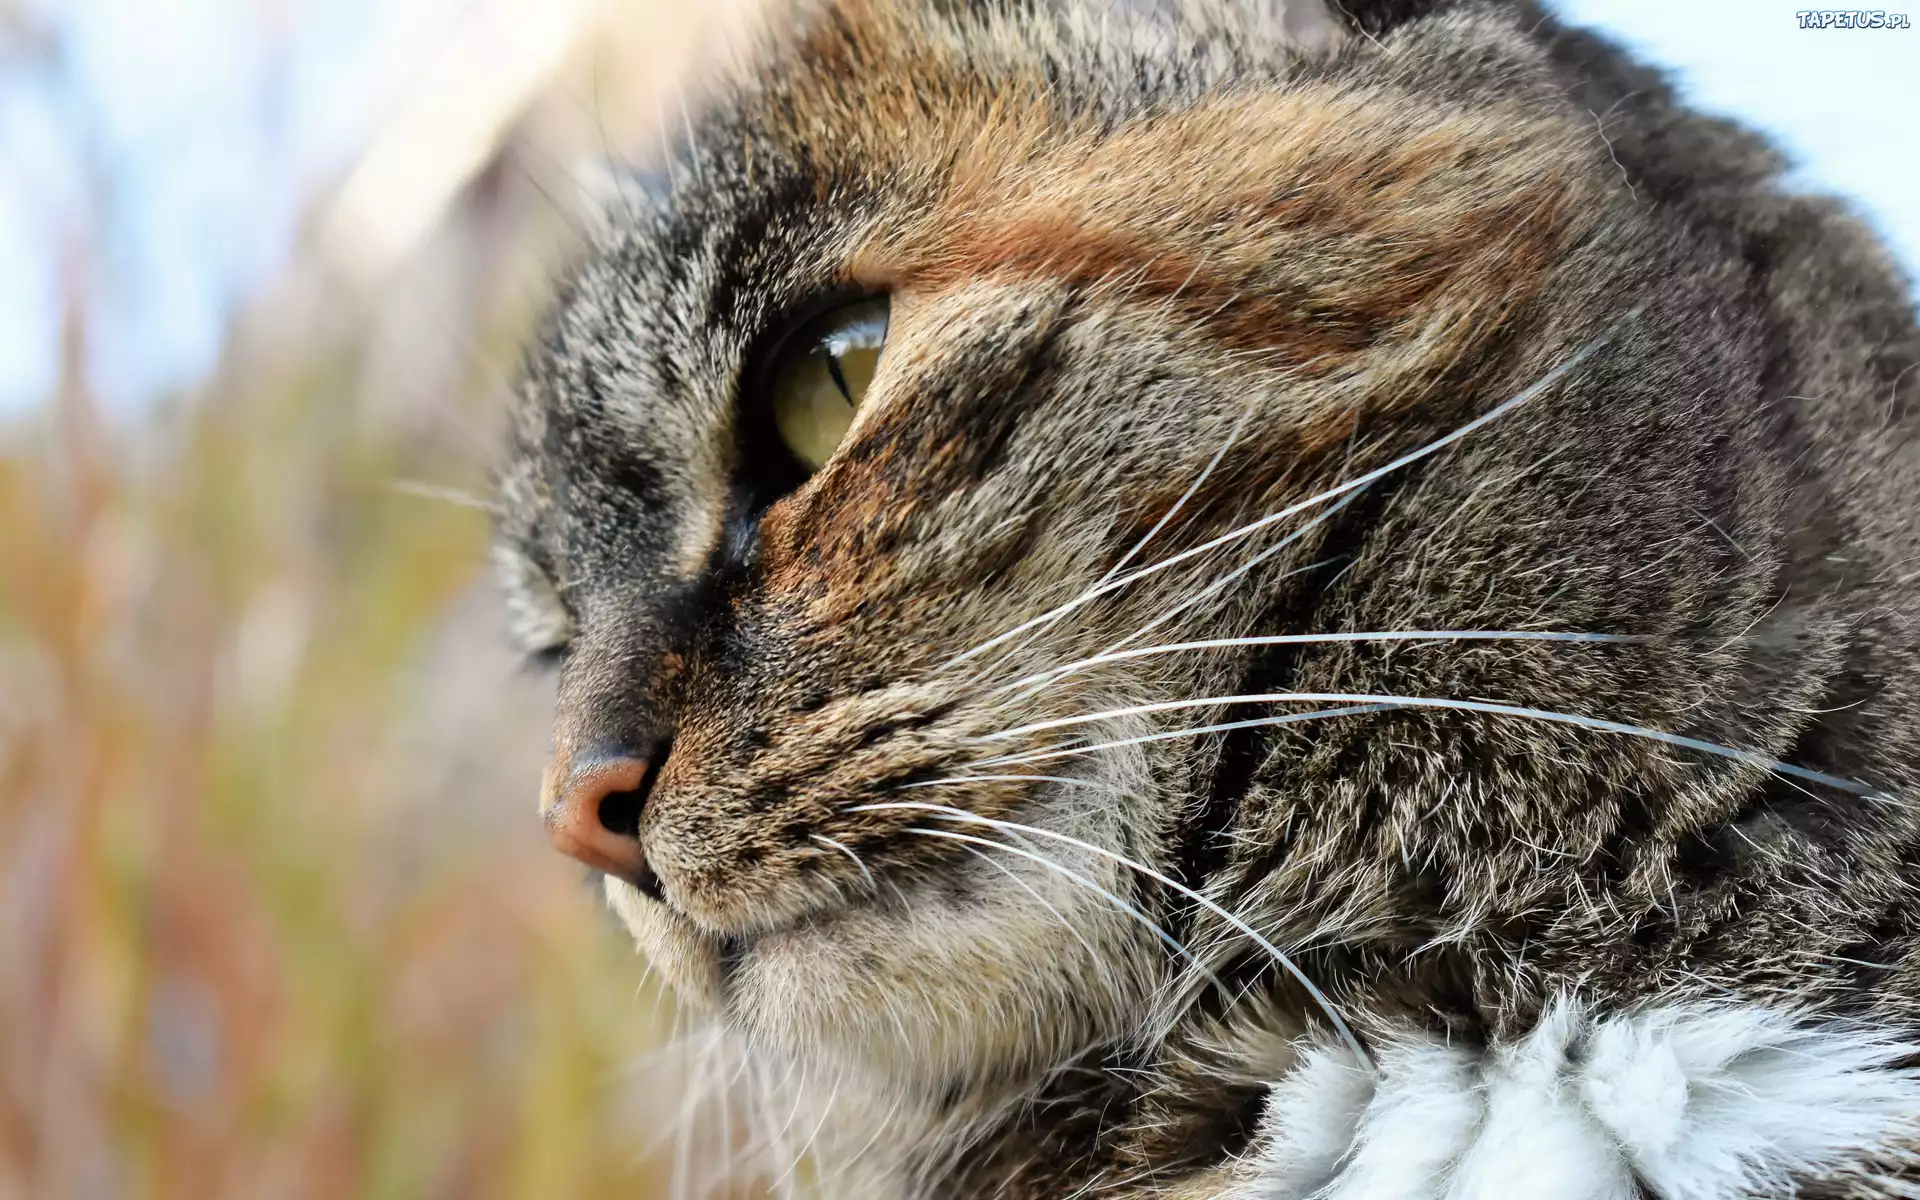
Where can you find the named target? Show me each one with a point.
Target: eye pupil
(839, 376)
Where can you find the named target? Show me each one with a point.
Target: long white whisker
(693, 144)
(1478, 706)
(846, 1165)
(1066, 779)
(1305, 639)
(1093, 956)
(1525, 395)
(1050, 753)
(761, 1092)
(726, 1129)
(778, 1144)
(1226, 581)
(1221, 584)
(1233, 435)
(695, 1085)
(457, 497)
(731, 1156)
(726, 1152)
(1179, 504)
(680, 1179)
(824, 840)
(1292, 968)
(806, 1147)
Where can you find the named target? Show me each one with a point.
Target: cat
(1194, 600)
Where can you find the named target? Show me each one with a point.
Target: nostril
(593, 812)
(620, 811)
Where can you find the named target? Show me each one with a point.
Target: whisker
(1304, 639)
(1206, 472)
(1217, 586)
(458, 497)
(823, 839)
(1173, 943)
(1051, 753)
(1489, 707)
(776, 1143)
(845, 1165)
(826, 1110)
(1525, 395)
(695, 1087)
(1066, 779)
(690, 1102)
(1225, 581)
(724, 1147)
(1233, 435)
(1279, 956)
(693, 143)
(1093, 956)
(729, 1158)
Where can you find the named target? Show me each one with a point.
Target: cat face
(1132, 338)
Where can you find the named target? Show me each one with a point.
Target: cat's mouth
(969, 971)
(698, 957)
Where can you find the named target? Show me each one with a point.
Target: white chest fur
(1694, 1102)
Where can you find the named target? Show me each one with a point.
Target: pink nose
(593, 814)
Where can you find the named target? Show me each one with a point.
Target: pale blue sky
(162, 151)
(1845, 103)
(175, 142)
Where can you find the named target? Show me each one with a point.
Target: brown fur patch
(891, 95)
(1349, 222)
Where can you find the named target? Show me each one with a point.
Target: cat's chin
(689, 960)
(971, 993)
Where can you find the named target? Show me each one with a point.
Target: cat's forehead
(878, 147)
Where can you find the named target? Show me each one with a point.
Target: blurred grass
(276, 915)
(276, 918)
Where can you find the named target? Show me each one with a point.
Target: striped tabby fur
(1081, 786)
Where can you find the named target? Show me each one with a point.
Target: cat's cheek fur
(991, 980)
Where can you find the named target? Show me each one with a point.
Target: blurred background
(275, 915)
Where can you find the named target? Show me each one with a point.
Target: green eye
(821, 376)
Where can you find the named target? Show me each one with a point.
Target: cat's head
(955, 349)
